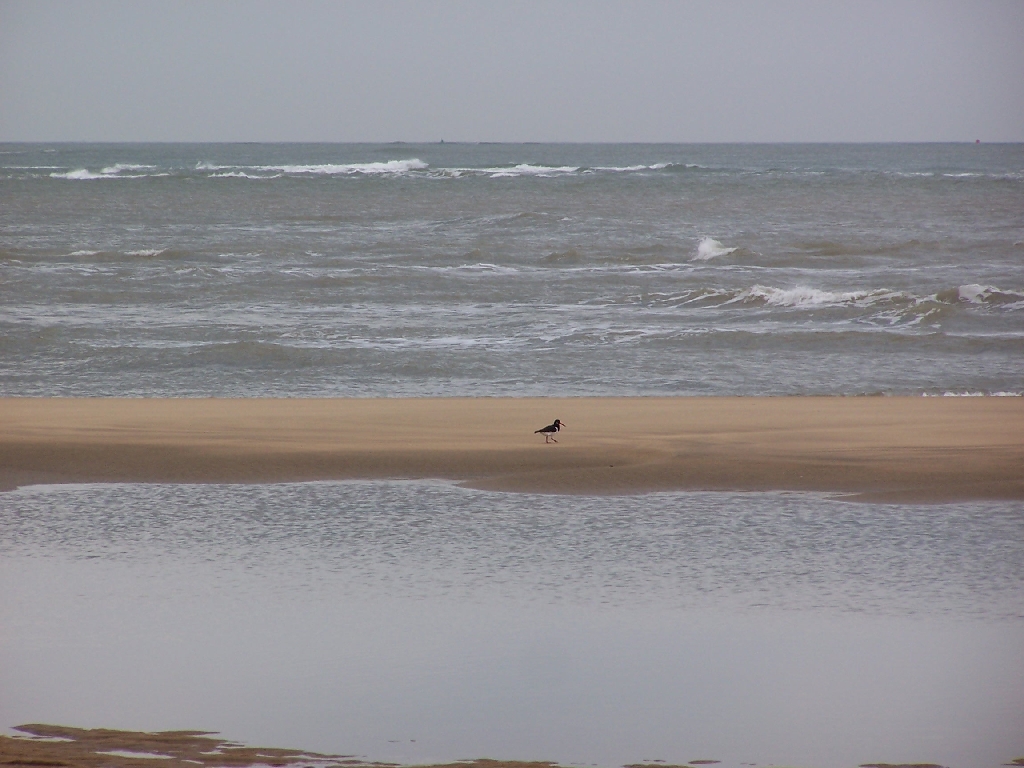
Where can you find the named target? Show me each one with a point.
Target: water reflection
(419, 621)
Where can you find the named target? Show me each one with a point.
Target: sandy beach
(880, 448)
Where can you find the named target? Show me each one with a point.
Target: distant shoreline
(879, 449)
(57, 745)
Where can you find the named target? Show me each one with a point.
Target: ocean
(516, 270)
(422, 621)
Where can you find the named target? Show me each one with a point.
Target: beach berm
(873, 448)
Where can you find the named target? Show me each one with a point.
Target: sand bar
(879, 448)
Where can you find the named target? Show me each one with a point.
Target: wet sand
(875, 448)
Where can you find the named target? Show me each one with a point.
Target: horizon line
(484, 142)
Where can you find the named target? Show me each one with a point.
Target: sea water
(472, 269)
(422, 621)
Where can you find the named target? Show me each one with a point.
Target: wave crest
(973, 293)
(79, 174)
(709, 248)
(526, 169)
(804, 296)
(389, 168)
(110, 172)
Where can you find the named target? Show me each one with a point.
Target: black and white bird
(549, 431)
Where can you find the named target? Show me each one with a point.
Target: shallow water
(422, 621)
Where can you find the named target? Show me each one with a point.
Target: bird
(549, 431)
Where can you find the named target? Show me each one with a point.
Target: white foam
(110, 172)
(529, 169)
(526, 169)
(391, 167)
(244, 175)
(83, 253)
(977, 394)
(803, 296)
(631, 168)
(118, 167)
(974, 293)
(145, 252)
(401, 167)
(78, 174)
(709, 248)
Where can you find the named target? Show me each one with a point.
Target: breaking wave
(987, 294)
(388, 168)
(118, 167)
(78, 174)
(526, 169)
(807, 297)
(115, 171)
(244, 175)
(803, 296)
(548, 171)
(709, 248)
(417, 166)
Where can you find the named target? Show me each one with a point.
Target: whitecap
(84, 174)
(145, 252)
(118, 167)
(526, 169)
(631, 168)
(973, 293)
(390, 167)
(244, 175)
(709, 248)
(804, 296)
(77, 175)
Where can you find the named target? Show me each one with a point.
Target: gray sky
(511, 71)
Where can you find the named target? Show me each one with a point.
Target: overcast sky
(511, 71)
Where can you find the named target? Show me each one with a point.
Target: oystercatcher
(549, 431)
